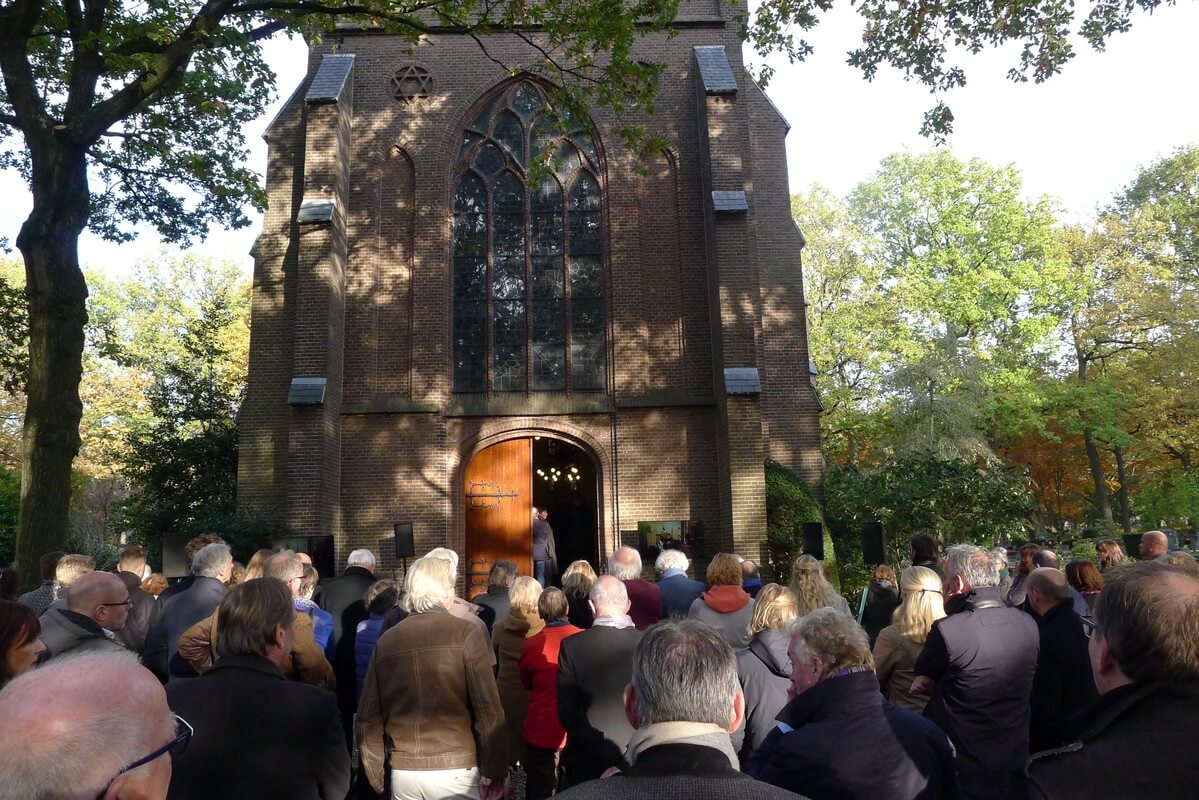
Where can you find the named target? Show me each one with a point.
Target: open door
(499, 511)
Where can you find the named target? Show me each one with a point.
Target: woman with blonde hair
(576, 585)
(1110, 553)
(523, 622)
(255, 565)
(921, 604)
(764, 668)
(812, 590)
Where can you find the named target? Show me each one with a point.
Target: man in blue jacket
(678, 591)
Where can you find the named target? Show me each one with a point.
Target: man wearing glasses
(97, 605)
(88, 725)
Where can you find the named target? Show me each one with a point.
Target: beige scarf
(704, 734)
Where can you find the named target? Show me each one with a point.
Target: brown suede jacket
(430, 701)
(307, 664)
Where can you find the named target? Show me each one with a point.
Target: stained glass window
(527, 253)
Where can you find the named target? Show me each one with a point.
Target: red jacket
(539, 674)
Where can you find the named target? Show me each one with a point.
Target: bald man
(74, 727)
(1062, 685)
(1154, 544)
(97, 605)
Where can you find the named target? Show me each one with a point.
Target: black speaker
(320, 550)
(405, 546)
(813, 540)
(874, 552)
(174, 556)
(1132, 544)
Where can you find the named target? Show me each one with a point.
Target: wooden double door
(499, 510)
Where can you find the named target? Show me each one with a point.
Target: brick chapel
(441, 341)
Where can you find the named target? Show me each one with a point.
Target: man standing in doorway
(543, 537)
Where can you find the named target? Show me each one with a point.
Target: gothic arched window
(528, 258)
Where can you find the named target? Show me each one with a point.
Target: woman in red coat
(542, 732)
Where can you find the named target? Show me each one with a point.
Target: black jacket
(343, 597)
(1137, 741)
(881, 602)
(496, 599)
(178, 613)
(593, 669)
(257, 735)
(764, 670)
(840, 740)
(982, 659)
(137, 624)
(678, 772)
(1064, 684)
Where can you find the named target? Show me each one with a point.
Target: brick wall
(371, 303)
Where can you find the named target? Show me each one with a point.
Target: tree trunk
(1122, 493)
(1102, 504)
(57, 297)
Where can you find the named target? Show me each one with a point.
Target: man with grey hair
(89, 725)
(677, 590)
(211, 569)
(646, 597)
(593, 669)
(499, 581)
(684, 700)
(978, 664)
(836, 715)
(97, 606)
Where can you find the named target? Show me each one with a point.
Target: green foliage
(953, 500)
(188, 332)
(1084, 550)
(10, 501)
(1175, 500)
(789, 504)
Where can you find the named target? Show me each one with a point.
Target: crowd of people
(955, 679)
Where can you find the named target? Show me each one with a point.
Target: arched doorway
(505, 481)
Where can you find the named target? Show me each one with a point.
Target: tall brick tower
(440, 339)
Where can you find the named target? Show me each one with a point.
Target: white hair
(972, 563)
(361, 558)
(672, 558)
(609, 596)
(625, 563)
(211, 560)
(429, 584)
(70, 726)
(445, 554)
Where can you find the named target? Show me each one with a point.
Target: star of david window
(527, 259)
(411, 83)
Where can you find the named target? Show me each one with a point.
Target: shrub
(789, 504)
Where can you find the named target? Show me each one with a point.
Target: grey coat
(64, 631)
(733, 624)
(764, 669)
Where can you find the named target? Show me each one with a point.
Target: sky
(1078, 137)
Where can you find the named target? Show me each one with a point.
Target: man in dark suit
(678, 591)
(684, 701)
(343, 597)
(594, 668)
(1063, 684)
(243, 707)
(211, 569)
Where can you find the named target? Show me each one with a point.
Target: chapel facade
(444, 336)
